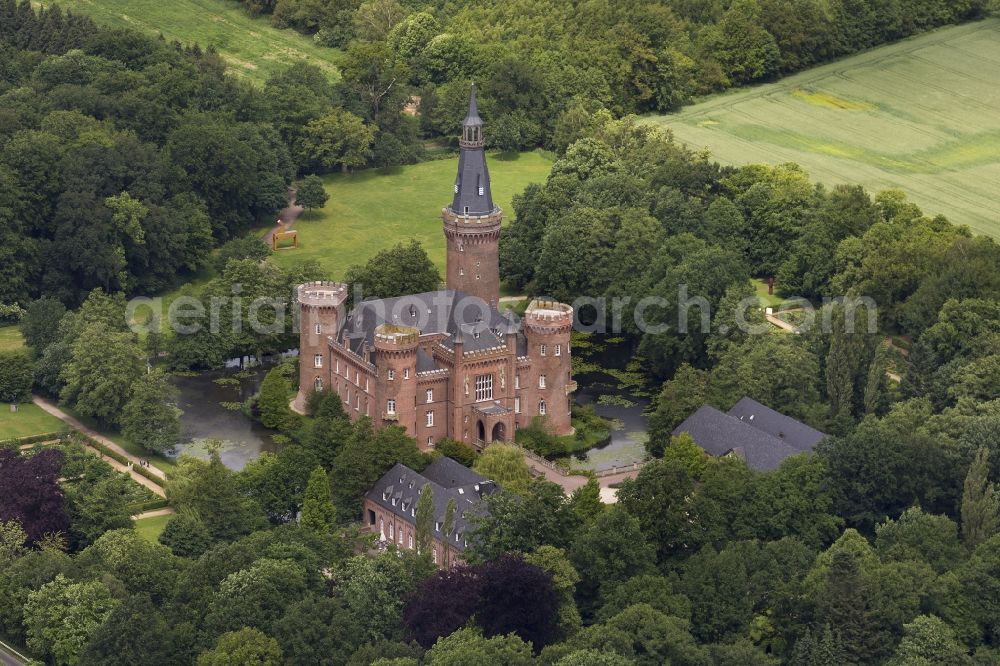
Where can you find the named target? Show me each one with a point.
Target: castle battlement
(322, 293)
(547, 316)
(392, 337)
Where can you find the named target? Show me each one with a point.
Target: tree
(980, 502)
(245, 646)
(142, 568)
(917, 535)
(468, 646)
(424, 520)
(844, 603)
(402, 269)
(209, 490)
(318, 514)
(257, 596)
(275, 392)
(310, 193)
(100, 372)
(505, 465)
(458, 451)
(520, 600)
(94, 507)
(62, 615)
(40, 324)
(340, 137)
(608, 553)
(679, 398)
(442, 604)
(32, 496)
(151, 418)
(17, 372)
(13, 540)
(928, 640)
(586, 502)
(448, 528)
(186, 535)
(555, 562)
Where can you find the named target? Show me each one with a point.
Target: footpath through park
(133, 461)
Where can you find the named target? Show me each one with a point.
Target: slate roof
(762, 417)
(473, 175)
(445, 311)
(720, 434)
(399, 490)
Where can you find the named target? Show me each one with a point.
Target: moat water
(208, 398)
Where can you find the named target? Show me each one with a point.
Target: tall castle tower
(472, 222)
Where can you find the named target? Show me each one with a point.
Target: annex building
(754, 432)
(390, 507)
(445, 363)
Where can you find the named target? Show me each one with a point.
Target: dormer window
(480, 191)
(456, 187)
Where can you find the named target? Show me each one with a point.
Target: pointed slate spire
(472, 184)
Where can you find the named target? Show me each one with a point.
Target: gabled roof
(795, 433)
(398, 492)
(722, 434)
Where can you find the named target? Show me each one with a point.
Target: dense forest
(126, 160)
(542, 62)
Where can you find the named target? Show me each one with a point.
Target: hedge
(149, 505)
(34, 439)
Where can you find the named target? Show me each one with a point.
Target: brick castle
(445, 363)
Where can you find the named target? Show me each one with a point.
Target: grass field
(374, 209)
(250, 46)
(922, 115)
(29, 420)
(10, 338)
(150, 528)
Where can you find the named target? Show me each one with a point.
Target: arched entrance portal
(482, 432)
(498, 432)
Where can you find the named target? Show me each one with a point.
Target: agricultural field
(374, 209)
(922, 115)
(251, 47)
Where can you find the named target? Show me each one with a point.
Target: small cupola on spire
(472, 183)
(472, 126)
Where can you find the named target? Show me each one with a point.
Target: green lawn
(10, 338)
(766, 300)
(922, 115)
(374, 209)
(150, 528)
(251, 47)
(29, 420)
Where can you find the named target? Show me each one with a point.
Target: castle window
(541, 381)
(411, 542)
(541, 408)
(400, 535)
(406, 373)
(357, 377)
(517, 405)
(430, 442)
(477, 276)
(541, 350)
(430, 395)
(319, 328)
(461, 271)
(338, 366)
(390, 526)
(430, 419)
(318, 384)
(466, 210)
(461, 246)
(435, 551)
(390, 374)
(390, 407)
(517, 381)
(357, 402)
(318, 361)
(484, 387)
(558, 350)
(475, 334)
